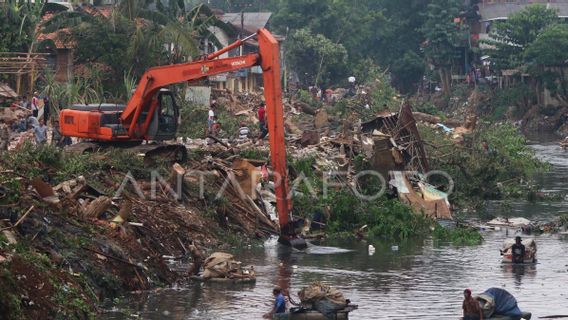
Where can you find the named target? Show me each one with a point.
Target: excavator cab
(165, 119)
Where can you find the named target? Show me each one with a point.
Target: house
(496, 10)
(60, 49)
(233, 27)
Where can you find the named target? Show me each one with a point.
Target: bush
(458, 235)
(194, 121)
(481, 174)
(56, 166)
(519, 96)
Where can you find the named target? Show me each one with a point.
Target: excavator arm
(156, 78)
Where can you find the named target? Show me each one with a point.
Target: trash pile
(389, 143)
(220, 265)
(497, 302)
(323, 298)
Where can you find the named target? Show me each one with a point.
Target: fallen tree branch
(114, 258)
(19, 220)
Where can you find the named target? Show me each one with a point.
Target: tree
(396, 43)
(547, 59)
(443, 37)
(18, 20)
(316, 58)
(135, 36)
(383, 32)
(512, 37)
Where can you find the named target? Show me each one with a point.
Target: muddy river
(415, 280)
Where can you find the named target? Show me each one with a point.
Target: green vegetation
(385, 32)
(513, 36)
(194, 121)
(494, 171)
(32, 275)
(444, 37)
(305, 48)
(18, 21)
(534, 41)
(254, 153)
(510, 103)
(386, 219)
(112, 46)
(10, 303)
(39, 161)
(457, 236)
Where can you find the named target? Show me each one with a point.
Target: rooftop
(252, 21)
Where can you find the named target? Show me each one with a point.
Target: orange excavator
(151, 115)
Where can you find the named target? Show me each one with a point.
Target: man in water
(518, 251)
(279, 309)
(471, 308)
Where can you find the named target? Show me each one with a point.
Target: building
(495, 10)
(233, 27)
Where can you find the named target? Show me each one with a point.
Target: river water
(416, 280)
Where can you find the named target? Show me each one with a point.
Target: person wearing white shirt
(211, 116)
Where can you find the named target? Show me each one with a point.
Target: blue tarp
(505, 303)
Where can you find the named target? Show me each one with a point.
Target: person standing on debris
(471, 308)
(352, 89)
(279, 309)
(518, 251)
(4, 136)
(244, 131)
(25, 103)
(20, 124)
(46, 108)
(216, 127)
(262, 123)
(35, 104)
(211, 116)
(56, 137)
(40, 132)
(32, 122)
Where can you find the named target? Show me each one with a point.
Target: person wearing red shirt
(262, 123)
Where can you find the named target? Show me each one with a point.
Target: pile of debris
(390, 143)
(121, 231)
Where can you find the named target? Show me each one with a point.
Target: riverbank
(78, 229)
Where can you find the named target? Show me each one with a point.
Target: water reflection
(519, 271)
